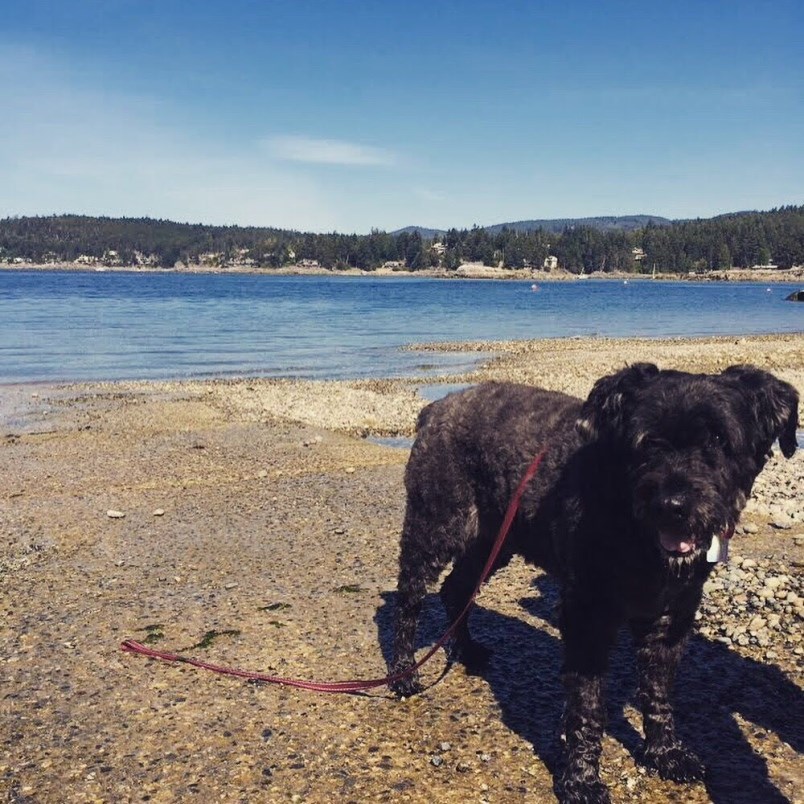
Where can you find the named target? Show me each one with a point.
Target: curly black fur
(635, 482)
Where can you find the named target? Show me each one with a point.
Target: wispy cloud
(297, 148)
(429, 195)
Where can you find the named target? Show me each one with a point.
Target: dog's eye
(652, 443)
(715, 439)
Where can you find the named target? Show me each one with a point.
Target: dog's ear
(607, 404)
(774, 404)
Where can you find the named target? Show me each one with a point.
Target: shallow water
(107, 326)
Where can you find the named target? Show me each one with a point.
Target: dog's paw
(570, 790)
(676, 763)
(407, 686)
(472, 655)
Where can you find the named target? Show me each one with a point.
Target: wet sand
(261, 531)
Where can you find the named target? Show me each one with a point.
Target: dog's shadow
(715, 687)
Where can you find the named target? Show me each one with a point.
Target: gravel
(279, 539)
(756, 605)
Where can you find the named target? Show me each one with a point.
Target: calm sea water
(87, 326)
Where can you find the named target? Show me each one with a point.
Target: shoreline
(250, 523)
(794, 275)
(383, 406)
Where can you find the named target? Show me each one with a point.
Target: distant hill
(604, 223)
(427, 234)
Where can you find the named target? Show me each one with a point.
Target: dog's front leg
(659, 644)
(587, 630)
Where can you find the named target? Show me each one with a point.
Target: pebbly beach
(255, 523)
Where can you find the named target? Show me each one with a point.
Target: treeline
(741, 240)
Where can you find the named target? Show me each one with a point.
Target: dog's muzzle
(682, 514)
(677, 545)
(671, 513)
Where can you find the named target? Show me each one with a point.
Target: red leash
(130, 646)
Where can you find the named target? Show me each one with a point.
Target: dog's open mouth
(677, 544)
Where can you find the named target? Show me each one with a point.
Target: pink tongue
(675, 545)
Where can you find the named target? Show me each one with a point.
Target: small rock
(159, 512)
(776, 581)
(262, 473)
(231, 585)
(436, 761)
(750, 527)
(112, 514)
(350, 470)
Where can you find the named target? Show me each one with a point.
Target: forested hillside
(742, 240)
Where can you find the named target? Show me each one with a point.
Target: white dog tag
(718, 552)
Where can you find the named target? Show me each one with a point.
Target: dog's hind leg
(422, 557)
(432, 537)
(409, 597)
(456, 593)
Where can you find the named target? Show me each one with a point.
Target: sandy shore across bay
(251, 523)
(470, 270)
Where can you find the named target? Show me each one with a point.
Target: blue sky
(349, 116)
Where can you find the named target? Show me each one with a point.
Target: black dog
(635, 483)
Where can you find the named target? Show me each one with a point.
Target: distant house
(210, 258)
(145, 259)
(308, 264)
(639, 254)
(550, 263)
(439, 248)
(394, 265)
(111, 257)
(240, 257)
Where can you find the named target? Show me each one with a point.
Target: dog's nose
(675, 504)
